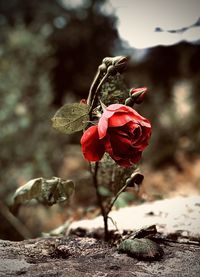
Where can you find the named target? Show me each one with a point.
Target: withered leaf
(48, 192)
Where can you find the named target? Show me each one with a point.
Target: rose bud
(107, 61)
(102, 67)
(129, 102)
(115, 64)
(120, 63)
(135, 180)
(138, 94)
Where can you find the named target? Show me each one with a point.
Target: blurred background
(49, 53)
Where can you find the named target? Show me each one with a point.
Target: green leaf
(48, 192)
(142, 249)
(71, 118)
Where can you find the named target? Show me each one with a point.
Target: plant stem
(93, 102)
(100, 201)
(94, 86)
(116, 196)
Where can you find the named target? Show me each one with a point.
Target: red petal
(102, 126)
(120, 119)
(110, 110)
(120, 144)
(129, 162)
(92, 147)
(117, 108)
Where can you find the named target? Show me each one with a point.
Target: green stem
(100, 201)
(94, 86)
(93, 102)
(115, 198)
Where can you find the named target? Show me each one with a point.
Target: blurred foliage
(28, 144)
(49, 54)
(77, 35)
(172, 76)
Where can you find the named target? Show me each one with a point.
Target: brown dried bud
(135, 180)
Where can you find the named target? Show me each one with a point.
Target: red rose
(121, 132)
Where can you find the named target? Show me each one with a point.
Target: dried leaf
(71, 118)
(48, 192)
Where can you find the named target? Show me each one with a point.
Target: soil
(75, 256)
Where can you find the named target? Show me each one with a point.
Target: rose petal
(120, 144)
(116, 107)
(143, 141)
(120, 119)
(102, 127)
(92, 147)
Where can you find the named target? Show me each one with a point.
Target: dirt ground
(89, 257)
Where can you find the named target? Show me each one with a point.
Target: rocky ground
(77, 257)
(177, 219)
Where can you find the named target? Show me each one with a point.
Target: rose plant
(114, 137)
(116, 129)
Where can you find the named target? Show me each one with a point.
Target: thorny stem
(100, 201)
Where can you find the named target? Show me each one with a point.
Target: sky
(137, 21)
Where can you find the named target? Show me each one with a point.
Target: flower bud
(112, 70)
(107, 61)
(120, 63)
(115, 64)
(129, 102)
(135, 180)
(138, 94)
(102, 67)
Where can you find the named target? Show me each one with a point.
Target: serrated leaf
(71, 118)
(48, 192)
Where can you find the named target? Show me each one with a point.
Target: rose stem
(116, 196)
(97, 91)
(100, 201)
(94, 86)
